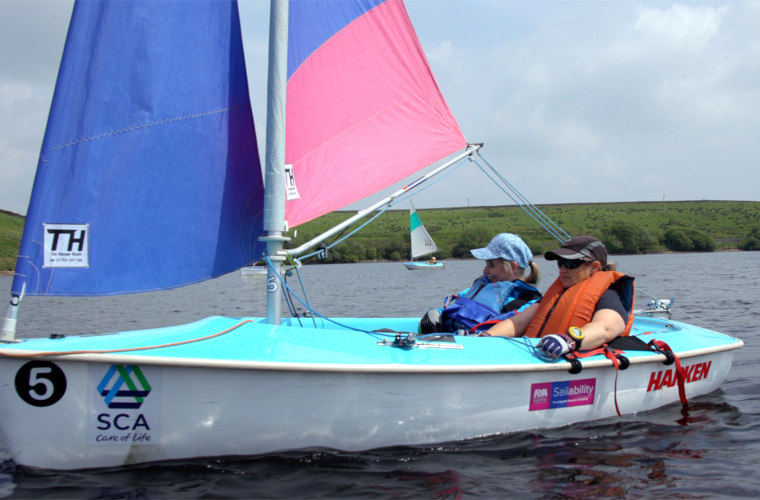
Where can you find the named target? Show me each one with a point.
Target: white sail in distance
(422, 243)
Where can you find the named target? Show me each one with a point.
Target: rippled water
(706, 449)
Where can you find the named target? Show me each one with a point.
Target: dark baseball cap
(578, 248)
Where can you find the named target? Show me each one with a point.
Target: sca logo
(112, 387)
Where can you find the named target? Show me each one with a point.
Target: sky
(576, 101)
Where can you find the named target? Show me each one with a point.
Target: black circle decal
(40, 383)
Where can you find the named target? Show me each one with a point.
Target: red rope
(489, 322)
(610, 354)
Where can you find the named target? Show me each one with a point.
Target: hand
(555, 345)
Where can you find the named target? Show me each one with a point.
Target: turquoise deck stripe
(332, 345)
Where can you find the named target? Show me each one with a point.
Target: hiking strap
(670, 357)
(619, 361)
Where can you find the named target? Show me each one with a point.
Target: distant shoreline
(457, 229)
(718, 250)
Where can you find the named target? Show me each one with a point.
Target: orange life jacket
(561, 308)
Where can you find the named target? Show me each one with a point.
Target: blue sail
(149, 176)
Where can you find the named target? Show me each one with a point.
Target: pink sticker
(548, 395)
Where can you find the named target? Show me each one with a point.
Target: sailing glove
(556, 344)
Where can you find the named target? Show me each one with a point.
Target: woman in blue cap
(589, 304)
(500, 293)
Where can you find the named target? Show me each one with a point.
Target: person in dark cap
(501, 290)
(588, 305)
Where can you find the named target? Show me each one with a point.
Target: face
(499, 270)
(572, 277)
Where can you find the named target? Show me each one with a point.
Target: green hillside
(725, 223)
(11, 226)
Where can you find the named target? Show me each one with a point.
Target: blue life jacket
(486, 301)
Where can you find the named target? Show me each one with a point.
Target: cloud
(680, 27)
(444, 56)
(31, 36)
(576, 101)
(23, 114)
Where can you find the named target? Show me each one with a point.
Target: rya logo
(540, 395)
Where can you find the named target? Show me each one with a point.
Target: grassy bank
(11, 226)
(726, 222)
(455, 230)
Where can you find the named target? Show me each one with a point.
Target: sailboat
(422, 243)
(149, 179)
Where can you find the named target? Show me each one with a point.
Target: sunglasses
(572, 264)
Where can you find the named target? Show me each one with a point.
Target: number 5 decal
(40, 383)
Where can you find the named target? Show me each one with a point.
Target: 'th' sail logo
(132, 397)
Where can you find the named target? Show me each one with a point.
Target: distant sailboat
(422, 244)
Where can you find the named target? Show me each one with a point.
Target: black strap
(523, 298)
(482, 285)
(670, 358)
(549, 314)
(575, 365)
(628, 343)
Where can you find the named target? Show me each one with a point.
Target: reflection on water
(706, 449)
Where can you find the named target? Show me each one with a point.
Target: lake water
(710, 448)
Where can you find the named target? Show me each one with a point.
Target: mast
(411, 240)
(274, 170)
(8, 333)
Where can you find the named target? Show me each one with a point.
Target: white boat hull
(251, 408)
(423, 266)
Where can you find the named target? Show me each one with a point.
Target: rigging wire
(547, 224)
(303, 288)
(377, 335)
(347, 236)
(534, 212)
(556, 229)
(555, 234)
(337, 242)
(541, 219)
(291, 307)
(409, 195)
(525, 200)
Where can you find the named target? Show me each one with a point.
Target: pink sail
(363, 110)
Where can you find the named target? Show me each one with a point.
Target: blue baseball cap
(505, 246)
